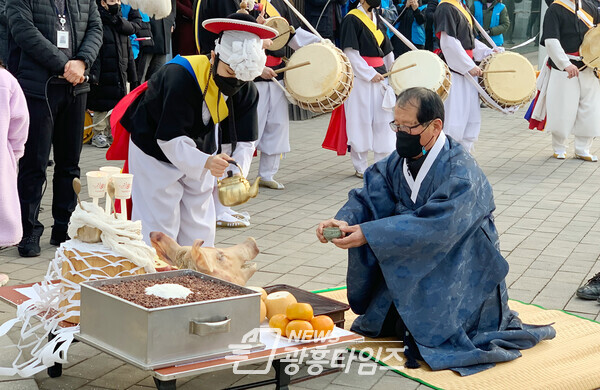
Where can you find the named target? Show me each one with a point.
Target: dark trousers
(63, 130)
(148, 64)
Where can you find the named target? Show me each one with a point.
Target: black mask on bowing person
(409, 146)
(373, 4)
(229, 86)
(114, 9)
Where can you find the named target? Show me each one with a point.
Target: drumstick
(398, 70)
(282, 34)
(303, 19)
(292, 67)
(397, 33)
(583, 67)
(483, 33)
(500, 71)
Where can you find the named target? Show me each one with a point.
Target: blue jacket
(489, 22)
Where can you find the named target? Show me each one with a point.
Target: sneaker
(29, 246)
(59, 235)
(591, 290)
(100, 141)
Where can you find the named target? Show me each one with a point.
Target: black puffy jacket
(114, 65)
(325, 15)
(33, 55)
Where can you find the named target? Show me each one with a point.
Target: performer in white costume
(371, 55)
(175, 124)
(460, 49)
(573, 95)
(273, 113)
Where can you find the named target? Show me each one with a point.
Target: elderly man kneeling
(423, 257)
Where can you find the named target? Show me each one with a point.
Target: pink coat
(14, 127)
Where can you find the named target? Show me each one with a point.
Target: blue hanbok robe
(434, 255)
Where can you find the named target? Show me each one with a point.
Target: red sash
(273, 61)
(375, 62)
(119, 150)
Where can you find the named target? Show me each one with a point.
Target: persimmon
(279, 323)
(299, 330)
(323, 326)
(299, 311)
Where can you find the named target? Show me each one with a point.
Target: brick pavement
(548, 216)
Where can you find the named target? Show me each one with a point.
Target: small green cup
(332, 232)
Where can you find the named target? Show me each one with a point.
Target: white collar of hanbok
(415, 184)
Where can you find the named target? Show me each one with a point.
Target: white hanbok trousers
(273, 128)
(167, 201)
(367, 123)
(462, 112)
(573, 107)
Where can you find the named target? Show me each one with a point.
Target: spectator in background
(510, 8)
(113, 67)
(51, 56)
(431, 41)
(411, 24)
(184, 41)
(14, 124)
(157, 53)
(3, 32)
(493, 17)
(140, 42)
(533, 24)
(389, 12)
(325, 16)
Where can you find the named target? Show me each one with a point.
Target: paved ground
(548, 214)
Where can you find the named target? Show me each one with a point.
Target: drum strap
(488, 99)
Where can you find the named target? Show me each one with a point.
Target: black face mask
(409, 146)
(229, 86)
(114, 8)
(373, 4)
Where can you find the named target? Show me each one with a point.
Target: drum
(283, 32)
(431, 73)
(323, 85)
(508, 89)
(590, 48)
(88, 128)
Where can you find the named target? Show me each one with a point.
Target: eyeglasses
(409, 129)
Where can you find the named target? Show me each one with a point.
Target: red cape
(119, 150)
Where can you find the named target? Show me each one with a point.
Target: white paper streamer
(122, 236)
(40, 316)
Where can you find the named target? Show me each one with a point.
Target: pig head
(232, 264)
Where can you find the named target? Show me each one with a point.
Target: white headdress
(243, 52)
